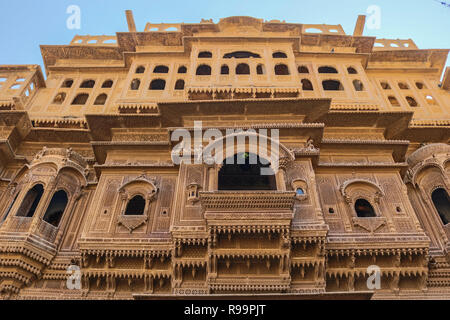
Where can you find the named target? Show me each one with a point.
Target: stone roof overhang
(312, 109)
(63, 135)
(394, 122)
(51, 53)
(432, 58)
(362, 44)
(16, 125)
(427, 134)
(101, 148)
(398, 147)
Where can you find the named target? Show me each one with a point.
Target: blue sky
(25, 24)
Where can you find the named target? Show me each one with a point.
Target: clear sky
(25, 24)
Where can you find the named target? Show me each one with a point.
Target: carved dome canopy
(426, 152)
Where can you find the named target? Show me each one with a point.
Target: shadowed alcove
(241, 173)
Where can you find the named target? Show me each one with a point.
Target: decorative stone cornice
(230, 201)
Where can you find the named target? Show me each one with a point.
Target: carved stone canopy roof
(426, 152)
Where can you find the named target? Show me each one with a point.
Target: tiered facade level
(87, 178)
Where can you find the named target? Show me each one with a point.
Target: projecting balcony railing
(230, 200)
(47, 231)
(20, 224)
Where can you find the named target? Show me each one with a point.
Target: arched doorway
(240, 172)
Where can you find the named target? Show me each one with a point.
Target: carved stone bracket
(132, 222)
(369, 224)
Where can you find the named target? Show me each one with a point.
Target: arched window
(59, 98)
(140, 69)
(394, 102)
(203, 70)
(279, 54)
(327, 69)
(358, 85)
(67, 83)
(179, 85)
(161, 69)
(205, 54)
(224, 69)
(80, 99)
(307, 85)
(135, 84)
(299, 191)
(364, 209)
(260, 69)
(88, 84)
(332, 85)
(31, 201)
(135, 206)
(303, 69)
(243, 172)
(242, 68)
(441, 202)
(352, 70)
(241, 55)
(158, 84)
(411, 101)
(403, 86)
(420, 85)
(107, 84)
(385, 85)
(101, 99)
(182, 69)
(56, 208)
(10, 207)
(281, 70)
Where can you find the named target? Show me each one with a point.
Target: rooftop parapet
(94, 40)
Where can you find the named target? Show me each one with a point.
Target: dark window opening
(303, 69)
(56, 208)
(224, 69)
(279, 54)
(241, 55)
(158, 84)
(242, 68)
(327, 69)
(203, 70)
(107, 84)
(205, 54)
(182, 69)
(403, 86)
(394, 102)
(80, 99)
(67, 83)
(10, 207)
(135, 206)
(260, 69)
(385, 86)
(352, 70)
(140, 69)
(161, 69)
(281, 69)
(332, 85)
(59, 98)
(135, 84)
(307, 85)
(364, 209)
(31, 201)
(420, 85)
(411, 101)
(88, 84)
(238, 174)
(358, 85)
(441, 202)
(101, 100)
(179, 85)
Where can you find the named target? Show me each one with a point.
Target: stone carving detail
(369, 224)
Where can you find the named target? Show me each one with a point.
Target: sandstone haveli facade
(87, 178)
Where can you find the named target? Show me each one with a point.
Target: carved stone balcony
(248, 205)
